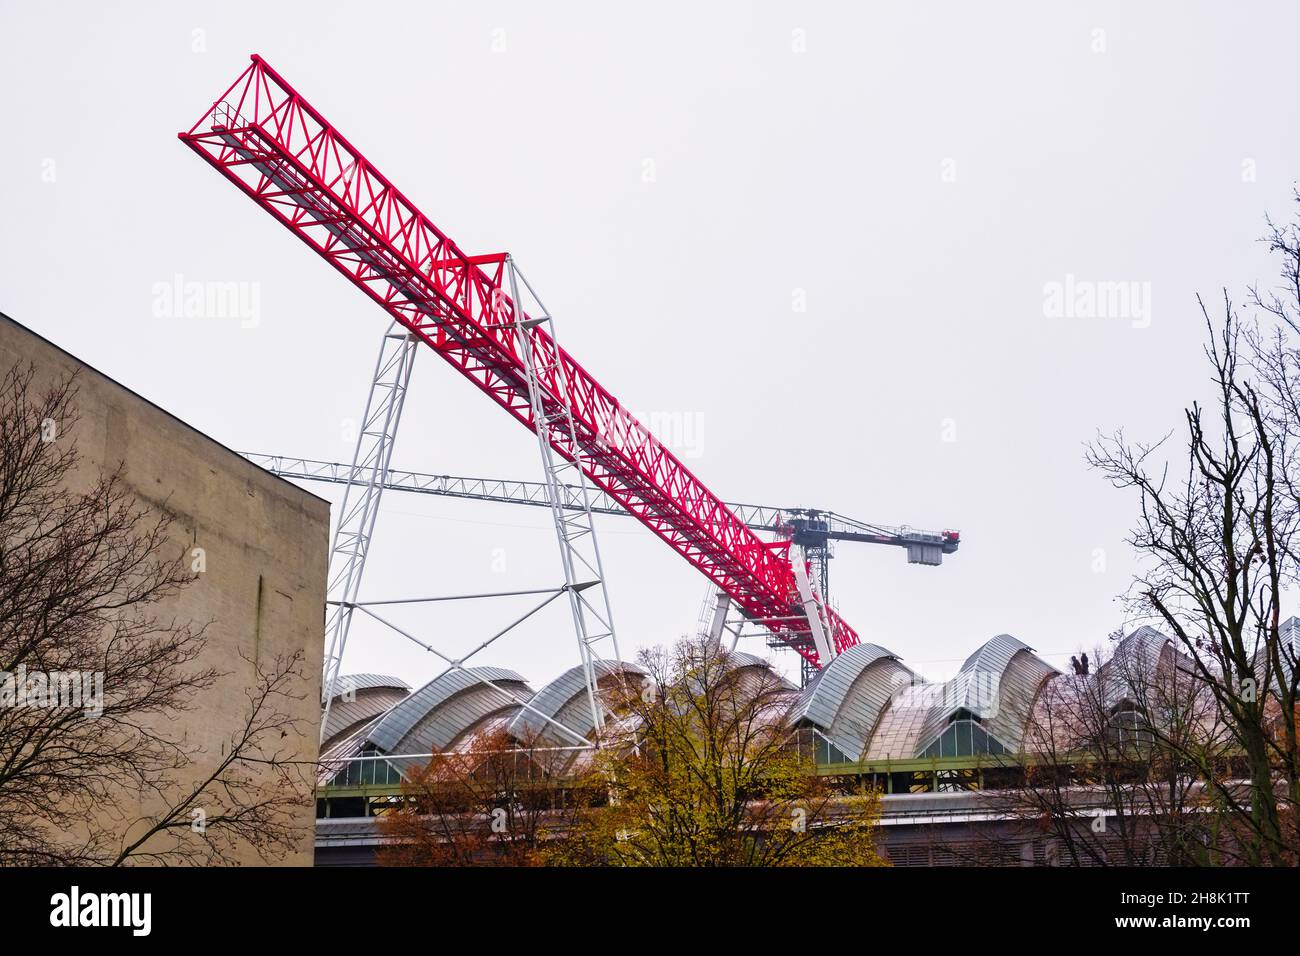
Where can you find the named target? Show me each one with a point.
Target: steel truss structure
(458, 663)
(812, 529)
(575, 528)
(282, 153)
(508, 491)
(366, 481)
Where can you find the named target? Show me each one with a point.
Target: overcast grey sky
(818, 241)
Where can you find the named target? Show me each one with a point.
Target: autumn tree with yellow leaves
(699, 769)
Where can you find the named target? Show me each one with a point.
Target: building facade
(259, 545)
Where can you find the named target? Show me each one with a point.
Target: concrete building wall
(265, 540)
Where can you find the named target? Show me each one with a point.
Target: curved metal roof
(995, 654)
(854, 702)
(367, 703)
(366, 681)
(977, 687)
(772, 685)
(431, 718)
(743, 659)
(846, 698)
(1288, 652)
(564, 700)
(1291, 642)
(1018, 689)
(856, 724)
(897, 732)
(825, 694)
(334, 756)
(1135, 657)
(1146, 644)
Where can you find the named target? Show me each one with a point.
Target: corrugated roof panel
(1135, 657)
(1291, 639)
(396, 726)
(551, 699)
(976, 687)
(1017, 691)
(369, 703)
(743, 659)
(457, 717)
(334, 757)
(365, 681)
(995, 654)
(868, 698)
(825, 694)
(898, 730)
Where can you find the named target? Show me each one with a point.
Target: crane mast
(264, 137)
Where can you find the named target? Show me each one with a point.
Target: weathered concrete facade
(264, 540)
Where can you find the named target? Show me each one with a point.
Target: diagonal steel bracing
(575, 528)
(366, 481)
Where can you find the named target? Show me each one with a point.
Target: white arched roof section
(976, 688)
(845, 699)
(443, 709)
(564, 701)
(359, 699)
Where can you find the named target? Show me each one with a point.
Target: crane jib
(266, 139)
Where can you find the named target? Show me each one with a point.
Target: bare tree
(1106, 776)
(493, 801)
(251, 797)
(94, 674)
(1217, 539)
(1276, 362)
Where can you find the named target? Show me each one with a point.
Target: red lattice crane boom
(266, 139)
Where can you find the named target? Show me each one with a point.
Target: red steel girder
(266, 139)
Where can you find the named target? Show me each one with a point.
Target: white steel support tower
(365, 486)
(818, 621)
(575, 527)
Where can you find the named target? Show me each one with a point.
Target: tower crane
(275, 147)
(813, 529)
